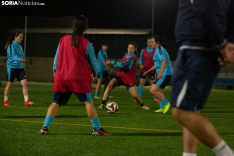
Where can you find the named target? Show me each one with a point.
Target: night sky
(124, 14)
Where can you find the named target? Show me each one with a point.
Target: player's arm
(55, 64)
(151, 69)
(92, 59)
(141, 60)
(207, 16)
(129, 63)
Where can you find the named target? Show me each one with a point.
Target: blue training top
(102, 56)
(159, 55)
(14, 55)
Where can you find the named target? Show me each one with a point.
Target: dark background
(110, 14)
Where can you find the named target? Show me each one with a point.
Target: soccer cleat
(101, 106)
(43, 130)
(160, 110)
(134, 101)
(28, 103)
(97, 97)
(6, 103)
(145, 107)
(156, 100)
(166, 108)
(100, 132)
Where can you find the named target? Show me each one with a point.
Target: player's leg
(192, 82)
(21, 77)
(107, 80)
(98, 85)
(157, 90)
(141, 85)
(59, 99)
(92, 114)
(133, 91)
(112, 84)
(152, 80)
(11, 73)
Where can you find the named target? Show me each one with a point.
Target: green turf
(135, 131)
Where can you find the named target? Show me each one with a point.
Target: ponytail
(11, 38)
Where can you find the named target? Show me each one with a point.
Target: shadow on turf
(59, 116)
(128, 134)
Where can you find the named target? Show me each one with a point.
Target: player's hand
(107, 62)
(144, 73)
(159, 76)
(23, 60)
(227, 54)
(141, 66)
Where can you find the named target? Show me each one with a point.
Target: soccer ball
(111, 107)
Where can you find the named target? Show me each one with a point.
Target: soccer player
(205, 31)
(74, 66)
(14, 67)
(163, 67)
(125, 76)
(102, 69)
(146, 62)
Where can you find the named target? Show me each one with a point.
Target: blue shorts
(193, 77)
(163, 81)
(13, 73)
(151, 76)
(102, 74)
(61, 98)
(121, 83)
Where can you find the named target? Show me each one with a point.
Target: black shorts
(121, 83)
(13, 73)
(151, 76)
(193, 77)
(62, 98)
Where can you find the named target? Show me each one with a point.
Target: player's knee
(175, 113)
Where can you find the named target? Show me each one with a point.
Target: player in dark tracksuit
(205, 32)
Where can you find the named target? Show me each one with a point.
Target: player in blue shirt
(163, 67)
(15, 69)
(205, 31)
(102, 69)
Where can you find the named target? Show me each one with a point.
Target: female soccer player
(74, 65)
(15, 69)
(125, 76)
(102, 69)
(163, 68)
(146, 62)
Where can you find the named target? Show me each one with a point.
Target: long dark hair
(162, 41)
(79, 25)
(135, 45)
(12, 37)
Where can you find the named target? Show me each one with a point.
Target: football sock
(95, 123)
(189, 154)
(5, 98)
(154, 97)
(48, 121)
(223, 149)
(103, 102)
(140, 90)
(96, 94)
(164, 102)
(25, 98)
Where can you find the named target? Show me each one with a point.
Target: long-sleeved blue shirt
(14, 55)
(205, 23)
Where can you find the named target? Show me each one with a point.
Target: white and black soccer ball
(112, 107)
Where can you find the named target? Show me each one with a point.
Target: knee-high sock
(48, 121)
(95, 123)
(140, 90)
